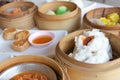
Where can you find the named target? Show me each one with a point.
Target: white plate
(5, 47)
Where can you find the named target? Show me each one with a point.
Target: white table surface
(87, 6)
(6, 50)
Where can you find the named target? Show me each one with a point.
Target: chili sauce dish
(41, 38)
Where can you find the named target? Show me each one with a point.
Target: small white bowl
(39, 34)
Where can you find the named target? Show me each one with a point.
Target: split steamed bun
(92, 47)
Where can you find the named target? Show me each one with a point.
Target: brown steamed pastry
(20, 45)
(22, 35)
(9, 33)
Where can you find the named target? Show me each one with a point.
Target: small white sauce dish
(41, 38)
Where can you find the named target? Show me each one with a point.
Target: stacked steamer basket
(78, 70)
(33, 63)
(23, 20)
(68, 21)
(101, 12)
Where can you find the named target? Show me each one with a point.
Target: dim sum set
(86, 54)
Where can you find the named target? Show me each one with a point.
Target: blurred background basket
(101, 12)
(69, 21)
(23, 20)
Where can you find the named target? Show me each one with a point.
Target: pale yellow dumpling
(113, 17)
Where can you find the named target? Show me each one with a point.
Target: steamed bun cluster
(92, 47)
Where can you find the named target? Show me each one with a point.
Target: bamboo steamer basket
(53, 6)
(61, 74)
(82, 71)
(101, 12)
(69, 21)
(23, 20)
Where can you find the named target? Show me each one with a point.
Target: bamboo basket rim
(61, 16)
(52, 24)
(82, 64)
(10, 19)
(31, 8)
(35, 59)
(55, 20)
(116, 27)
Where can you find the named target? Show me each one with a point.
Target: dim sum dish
(29, 71)
(90, 55)
(20, 38)
(9, 33)
(18, 14)
(24, 34)
(92, 47)
(29, 75)
(103, 18)
(31, 68)
(20, 45)
(51, 14)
